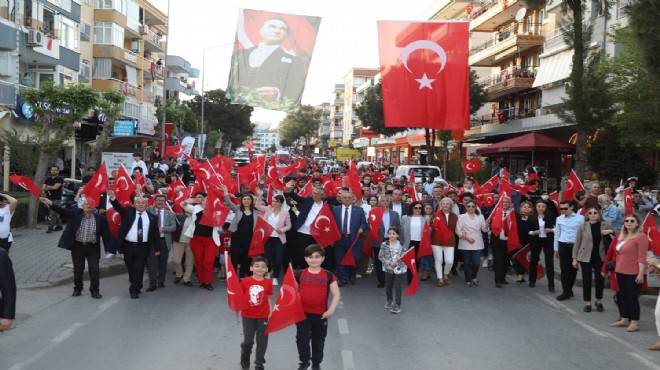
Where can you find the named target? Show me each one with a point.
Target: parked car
(420, 171)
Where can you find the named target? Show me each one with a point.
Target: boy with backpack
(314, 284)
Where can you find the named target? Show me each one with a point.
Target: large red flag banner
(261, 76)
(425, 74)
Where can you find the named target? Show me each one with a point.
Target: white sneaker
(388, 305)
(109, 256)
(275, 282)
(358, 276)
(485, 264)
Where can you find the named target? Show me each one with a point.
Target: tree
(370, 112)
(303, 124)
(24, 150)
(111, 104)
(56, 109)
(232, 120)
(643, 17)
(634, 92)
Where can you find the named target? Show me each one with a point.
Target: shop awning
(554, 68)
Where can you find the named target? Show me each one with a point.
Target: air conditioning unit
(135, 46)
(35, 37)
(144, 29)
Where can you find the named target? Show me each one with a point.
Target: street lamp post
(201, 126)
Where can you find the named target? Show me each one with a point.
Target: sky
(202, 32)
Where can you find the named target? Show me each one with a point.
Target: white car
(420, 171)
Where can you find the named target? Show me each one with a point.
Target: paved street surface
(440, 328)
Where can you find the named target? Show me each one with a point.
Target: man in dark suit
(390, 219)
(138, 237)
(267, 68)
(82, 236)
(7, 291)
(166, 226)
(350, 220)
(398, 205)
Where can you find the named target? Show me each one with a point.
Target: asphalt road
(440, 328)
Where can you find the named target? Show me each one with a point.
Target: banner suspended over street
(271, 58)
(425, 74)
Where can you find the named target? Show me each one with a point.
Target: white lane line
(343, 326)
(341, 304)
(67, 333)
(643, 360)
(549, 301)
(102, 308)
(34, 358)
(590, 328)
(347, 358)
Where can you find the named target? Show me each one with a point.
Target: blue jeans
(471, 261)
(274, 251)
(426, 263)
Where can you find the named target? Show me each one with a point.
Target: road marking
(67, 333)
(347, 358)
(643, 360)
(34, 358)
(343, 326)
(102, 308)
(589, 328)
(341, 304)
(549, 301)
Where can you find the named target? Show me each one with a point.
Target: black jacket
(550, 222)
(75, 218)
(304, 206)
(127, 219)
(7, 287)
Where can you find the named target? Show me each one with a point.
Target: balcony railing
(509, 73)
(155, 38)
(533, 121)
(507, 34)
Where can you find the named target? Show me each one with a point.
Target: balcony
(494, 14)
(153, 42)
(121, 86)
(338, 101)
(123, 56)
(537, 120)
(7, 94)
(176, 84)
(506, 44)
(554, 40)
(509, 81)
(177, 64)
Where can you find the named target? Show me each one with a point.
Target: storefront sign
(124, 128)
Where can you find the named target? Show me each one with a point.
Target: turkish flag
(182, 195)
(524, 256)
(375, 219)
(140, 182)
(198, 187)
(449, 188)
(489, 185)
(324, 228)
(26, 183)
(96, 186)
(175, 151)
(496, 223)
(505, 185)
(272, 177)
(573, 185)
(330, 186)
(409, 259)
(295, 167)
(306, 190)
(353, 180)
(349, 258)
(487, 200)
(262, 232)
(441, 231)
(627, 201)
(472, 165)
(113, 217)
(379, 177)
(425, 244)
(220, 161)
(288, 309)
(171, 192)
(651, 230)
(235, 295)
(123, 187)
(524, 189)
(511, 230)
(554, 197)
(215, 212)
(193, 163)
(425, 74)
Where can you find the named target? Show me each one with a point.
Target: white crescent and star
(424, 82)
(207, 175)
(116, 222)
(119, 181)
(569, 184)
(319, 218)
(470, 166)
(99, 181)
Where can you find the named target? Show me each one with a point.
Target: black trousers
(157, 265)
(545, 245)
(568, 272)
(240, 248)
(298, 250)
(378, 266)
(92, 253)
(135, 259)
(499, 258)
(628, 296)
(589, 268)
(5, 244)
(415, 244)
(254, 328)
(313, 329)
(520, 269)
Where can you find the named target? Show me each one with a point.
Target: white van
(420, 171)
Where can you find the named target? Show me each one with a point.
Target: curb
(105, 271)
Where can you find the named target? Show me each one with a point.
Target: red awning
(527, 145)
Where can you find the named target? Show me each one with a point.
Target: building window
(69, 34)
(118, 5)
(85, 31)
(131, 109)
(108, 33)
(84, 71)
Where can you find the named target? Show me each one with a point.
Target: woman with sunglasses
(589, 253)
(541, 232)
(242, 228)
(412, 226)
(631, 251)
(443, 240)
(277, 216)
(469, 227)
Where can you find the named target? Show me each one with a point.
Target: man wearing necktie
(157, 264)
(138, 237)
(351, 220)
(498, 243)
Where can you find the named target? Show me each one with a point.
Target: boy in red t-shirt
(256, 311)
(313, 286)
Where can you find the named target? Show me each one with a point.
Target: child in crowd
(395, 269)
(225, 246)
(314, 283)
(256, 312)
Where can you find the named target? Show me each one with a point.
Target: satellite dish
(521, 14)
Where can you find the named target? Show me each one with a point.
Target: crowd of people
(469, 229)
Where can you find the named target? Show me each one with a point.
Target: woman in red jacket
(631, 251)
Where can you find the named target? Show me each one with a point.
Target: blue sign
(124, 128)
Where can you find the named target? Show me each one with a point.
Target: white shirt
(141, 164)
(316, 208)
(416, 228)
(542, 228)
(5, 219)
(272, 221)
(132, 235)
(161, 219)
(397, 208)
(259, 55)
(348, 222)
(163, 167)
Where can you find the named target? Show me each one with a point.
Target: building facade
(265, 138)
(353, 80)
(337, 114)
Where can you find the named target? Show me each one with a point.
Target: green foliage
(634, 92)
(304, 124)
(20, 217)
(24, 149)
(220, 114)
(478, 94)
(643, 17)
(370, 112)
(111, 104)
(255, 99)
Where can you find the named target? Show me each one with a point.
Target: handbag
(610, 266)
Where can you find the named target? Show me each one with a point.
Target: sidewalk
(39, 263)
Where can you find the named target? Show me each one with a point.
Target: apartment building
(265, 138)
(354, 79)
(337, 113)
(324, 125)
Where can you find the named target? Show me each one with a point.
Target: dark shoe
(551, 289)
(505, 282)
(353, 281)
(316, 367)
(381, 285)
(151, 288)
(258, 367)
(177, 280)
(245, 363)
(188, 283)
(304, 366)
(570, 294)
(134, 296)
(96, 295)
(454, 272)
(209, 287)
(76, 293)
(202, 286)
(49, 231)
(57, 228)
(531, 284)
(161, 285)
(587, 308)
(341, 283)
(498, 285)
(599, 307)
(563, 297)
